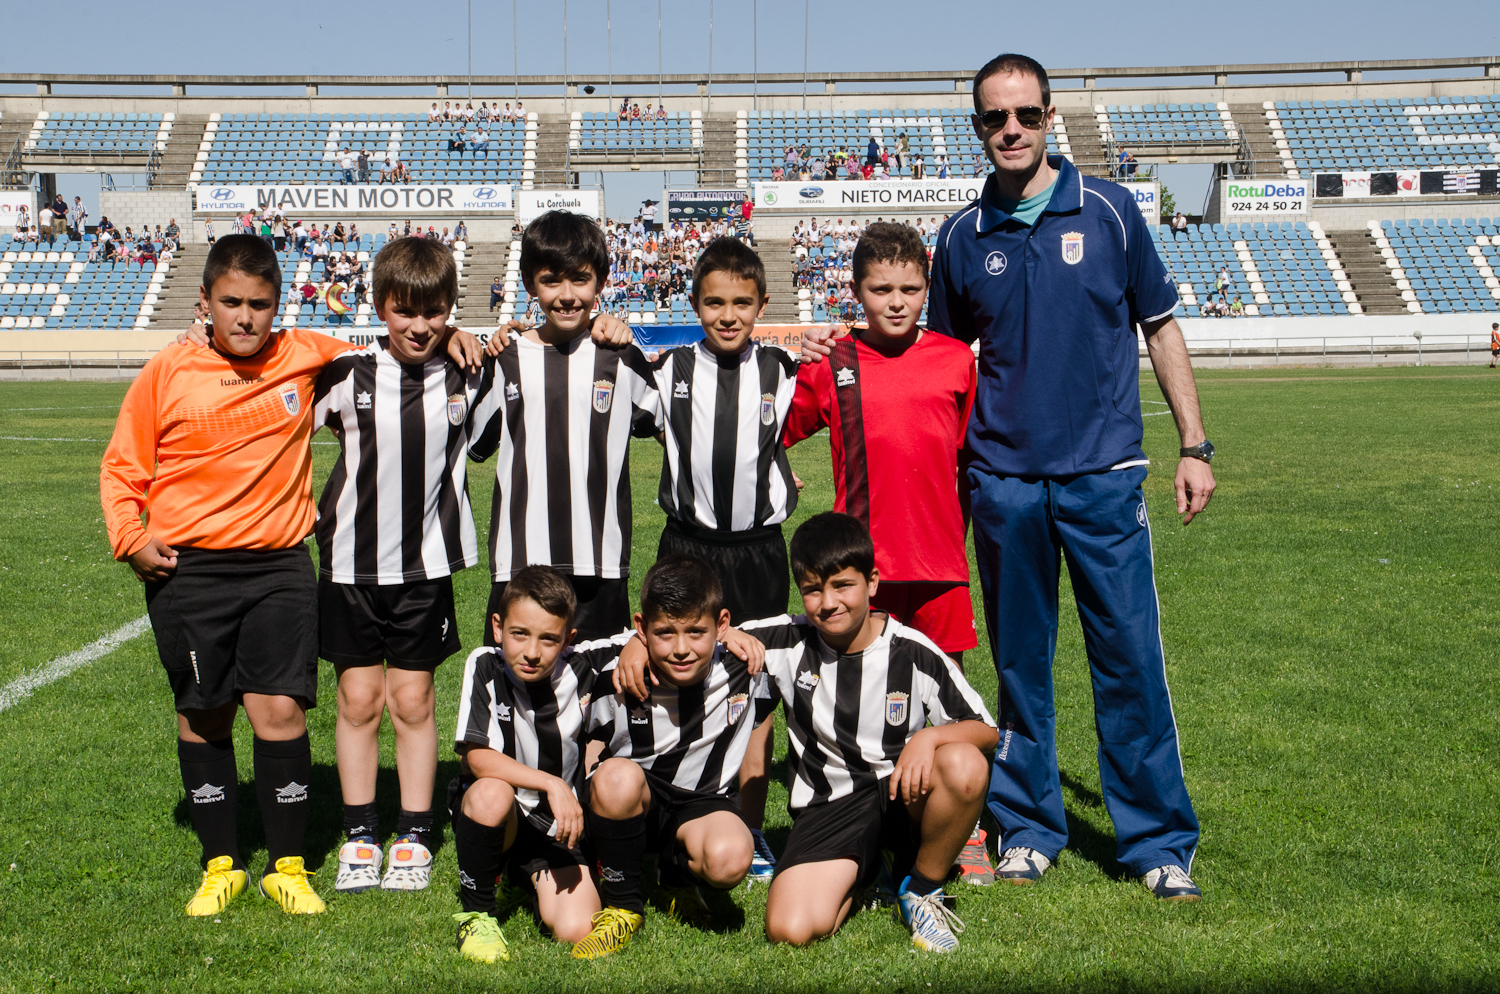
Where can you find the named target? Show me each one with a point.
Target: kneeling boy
(868, 772)
(520, 716)
(664, 780)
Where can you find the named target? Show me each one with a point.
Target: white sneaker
(1171, 883)
(359, 867)
(1020, 865)
(409, 866)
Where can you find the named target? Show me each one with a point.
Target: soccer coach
(1052, 272)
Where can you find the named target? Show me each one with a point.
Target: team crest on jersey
(604, 392)
(290, 399)
(767, 408)
(895, 708)
(583, 703)
(1072, 248)
(457, 408)
(843, 377)
(737, 704)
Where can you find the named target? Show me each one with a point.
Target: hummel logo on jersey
(512, 391)
(502, 711)
(680, 390)
(807, 680)
(843, 377)
(466, 881)
(291, 793)
(995, 263)
(207, 794)
(363, 401)
(640, 719)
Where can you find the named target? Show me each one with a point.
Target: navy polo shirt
(1054, 307)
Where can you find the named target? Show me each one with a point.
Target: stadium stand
(62, 289)
(1397, 133)
(305, 148)
(1143, 125)
(1443, 265)
(1277, 269)
(676, 132)
(70, 133)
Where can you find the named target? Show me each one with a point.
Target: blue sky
(384, 37)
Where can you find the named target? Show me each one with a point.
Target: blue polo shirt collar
(1067, 196)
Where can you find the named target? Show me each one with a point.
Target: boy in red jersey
(897, 401)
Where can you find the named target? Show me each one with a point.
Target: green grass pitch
(1330, 626)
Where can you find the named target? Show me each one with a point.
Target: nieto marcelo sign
(850, 195)
(1270, 198)
(363, 199)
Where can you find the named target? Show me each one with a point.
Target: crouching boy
(671, 759)
(868, 770)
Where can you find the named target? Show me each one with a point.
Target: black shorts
(412, 626)
(752, 565)
(672, 807)
(603, 607)
(531, 852)
(233, 622)
(856, 827)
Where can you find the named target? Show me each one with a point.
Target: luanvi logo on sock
(207, 794)
(466, 881)
(610, 875)
(291, 793)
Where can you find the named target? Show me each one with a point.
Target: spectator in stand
(648, 214)
(208, 233)
(509, 114)
(918, 168)
(173, 235)
(1126, 165)
(520, 111)
(903, 148)
(872, 153)
(469, 111)
(851, 167)
(624, 112)
(661, 112)
(354, 235)
(433, 114)
(447, 111)
(1237, 309)
(23, 222)
(59, 209)
(777, 174)
(363, 162)
(266, 232)
(981, 164)
(339, 236)
(497, 294)
(479, 141)
(388, 173)
(456, 141)
(1179, 222)
(392, 232)
(461, 232)
(80, 215)
(347, 163)
(403, 174)
(942, 165)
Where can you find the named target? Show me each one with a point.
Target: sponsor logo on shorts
(208, 794)
(737, 704)
(292, 793)
(895, 707)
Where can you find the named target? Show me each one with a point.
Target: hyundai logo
(809, 192)
(484, 192)
(222, 193)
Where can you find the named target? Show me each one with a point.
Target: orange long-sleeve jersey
(214, 448)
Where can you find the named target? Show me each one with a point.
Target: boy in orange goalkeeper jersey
(207, 493)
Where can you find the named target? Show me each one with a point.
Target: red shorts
(941, 611)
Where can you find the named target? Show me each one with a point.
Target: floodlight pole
(755, 54)
(609, 52)
(515, 40)
(806, 14)
(471, 51)
(566, 106)
(710, 106)
(660, 84)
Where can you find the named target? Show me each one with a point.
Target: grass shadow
(1083, 838)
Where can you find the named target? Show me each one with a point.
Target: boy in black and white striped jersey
(393, 526)
(869, 773)
(664, 783)
(560, 413)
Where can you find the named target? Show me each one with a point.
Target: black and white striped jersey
(693, 737)
(396, 506)
(538, 724)
(722, 418)
(849, 716)
(561, 419)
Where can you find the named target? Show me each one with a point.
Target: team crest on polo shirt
(604, 392)
(583, 703)
(737, 704)
(290, 399)
(1072, 248)
(767, 408)
(995, 263)
(895, 707)
(457, 408)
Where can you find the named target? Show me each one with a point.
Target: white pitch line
(26, 684)
(99, 407)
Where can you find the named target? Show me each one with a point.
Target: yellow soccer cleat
(289, 888)
(479, 937)
(222, 883)
(613, 928)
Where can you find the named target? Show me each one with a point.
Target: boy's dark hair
(681, 587)
(546, 586)
(564, 243)
(732, 256)
(829, 542)
(414, 272)
(248, 254)
(1009, 63)
(887, 242)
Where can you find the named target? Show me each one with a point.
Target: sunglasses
(1030, 118)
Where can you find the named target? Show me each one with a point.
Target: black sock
(282, 772)
(918, 884)
(481, 856)
(418, 823)
(361, 819)
(620, 844)
(212, 783)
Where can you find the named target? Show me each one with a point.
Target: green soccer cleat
(479, 937)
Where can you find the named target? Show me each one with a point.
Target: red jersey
(896, 424)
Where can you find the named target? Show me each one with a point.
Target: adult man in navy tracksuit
(1051, 272)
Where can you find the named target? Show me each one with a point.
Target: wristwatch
(1203, 450)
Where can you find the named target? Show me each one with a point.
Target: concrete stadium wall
(131, 343)
(151, 207)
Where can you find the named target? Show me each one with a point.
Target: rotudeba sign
(1148, 198)
(358, 199)
(532, 204)
(1250, 198)
(855, 195)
